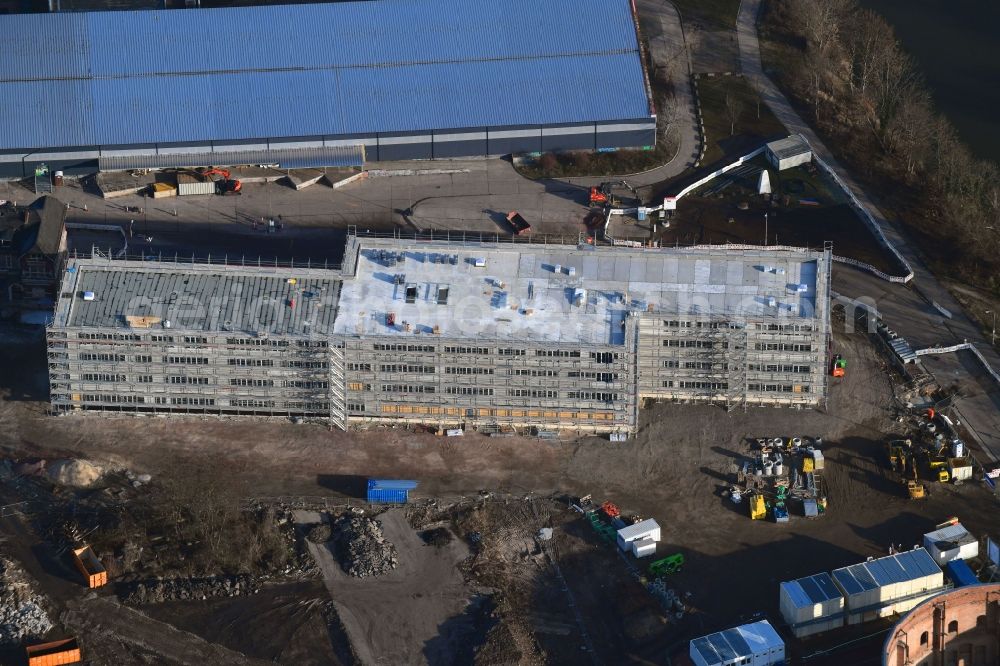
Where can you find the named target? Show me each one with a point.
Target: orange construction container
(90, 566)
(56, 653)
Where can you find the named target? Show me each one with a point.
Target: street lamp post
(765, 228)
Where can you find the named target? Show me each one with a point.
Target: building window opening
(953, 627)
(924, 637)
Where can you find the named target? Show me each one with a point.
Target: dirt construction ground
(675, 471)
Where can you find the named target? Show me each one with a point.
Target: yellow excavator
(903, 461)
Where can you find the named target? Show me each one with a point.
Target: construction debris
(361, 548)
(158, 591)
(319, 533)
(21, 613)
(74, 473)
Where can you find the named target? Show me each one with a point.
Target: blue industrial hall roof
(118, 78)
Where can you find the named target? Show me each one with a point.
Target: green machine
(668, 565)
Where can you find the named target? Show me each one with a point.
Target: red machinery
(611, 510)
(226, 185)
(602, 195)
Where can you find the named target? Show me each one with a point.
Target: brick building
(32, 249)
(957, 628)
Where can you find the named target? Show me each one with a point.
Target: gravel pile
(157, 591)
(361, 548)
(21, 612)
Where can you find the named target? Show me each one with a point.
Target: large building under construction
(550, 336)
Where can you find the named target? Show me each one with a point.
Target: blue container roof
(811, 590)
(960, 573)
(911, 565)
(391, 484)
(117, 78)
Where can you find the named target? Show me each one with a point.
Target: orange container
(65, 651)
(90, 566)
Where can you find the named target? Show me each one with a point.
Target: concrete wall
(386, 146)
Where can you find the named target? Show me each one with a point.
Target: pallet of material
(162, 190)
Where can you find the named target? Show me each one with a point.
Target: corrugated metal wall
(119, 78)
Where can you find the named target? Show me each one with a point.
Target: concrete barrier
(965, 346)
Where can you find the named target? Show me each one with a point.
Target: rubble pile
(21, 612)
(361, 547)
(172, 589)
(74, 473)
(319, 533)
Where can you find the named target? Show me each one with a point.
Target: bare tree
(867, 35)
(734, 108)
(820, 21)
(908, 132)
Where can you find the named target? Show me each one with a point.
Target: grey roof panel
(706, 649)
(205, 298)
(735, 639)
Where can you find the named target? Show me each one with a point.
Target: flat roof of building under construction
(199, 297)
(565, 293)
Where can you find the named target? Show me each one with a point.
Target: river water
(956, 44)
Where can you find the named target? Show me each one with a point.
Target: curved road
(979, 411)
(661, 25)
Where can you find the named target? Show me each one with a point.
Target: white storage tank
(952, 542)
(647, 529)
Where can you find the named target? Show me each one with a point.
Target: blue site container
(390, 491)
(960, 573)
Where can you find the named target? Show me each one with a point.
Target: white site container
(811, 605)
(951, 543)
(818, 461)
(960, 469)
(888, 586)
(647, 529)
(188, 184)
(789, 152)
(756, 644)
(643, 547)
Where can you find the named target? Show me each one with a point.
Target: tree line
(865, 90)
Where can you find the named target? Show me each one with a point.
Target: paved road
(474, 198)
(979, 409)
